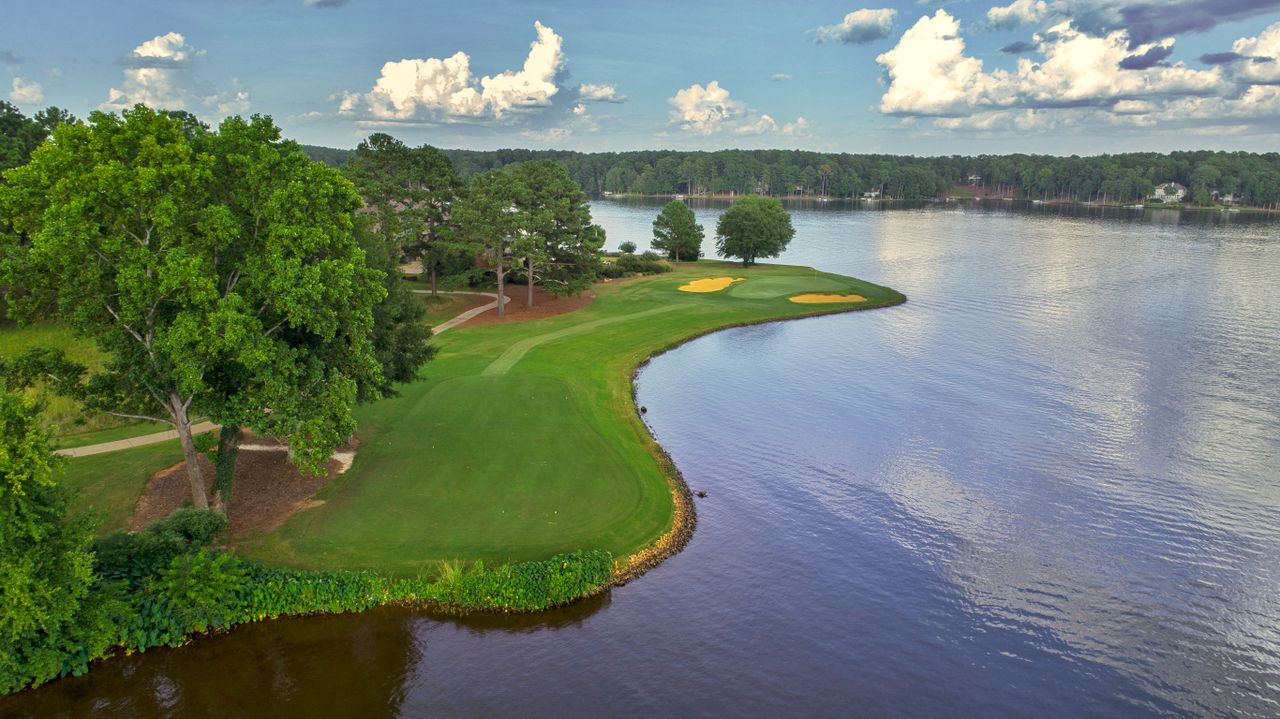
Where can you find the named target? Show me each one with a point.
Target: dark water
(1048, 485)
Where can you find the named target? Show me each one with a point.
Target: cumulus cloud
(710, 110)
(445, 90)
(1081, 80)
(26, 92)
(1017, 13)
(1143, 21)
(858, 27)
(1262, 52)
(779, 77)
(158, 74)
(588, 92)
(930, 74)
(548, 136)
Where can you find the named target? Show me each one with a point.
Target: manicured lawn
(521, 440)
(107, 486)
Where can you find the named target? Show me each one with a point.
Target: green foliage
(645, 264)
(217, 270)
(627, 248)
(202, 589)
(557, 237)
(676, 232)
(49, 622)
(134, 557)
(754, 227)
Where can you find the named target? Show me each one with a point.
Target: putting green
(770, 287)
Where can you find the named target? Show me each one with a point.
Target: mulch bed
(267, 490)
(545, 305)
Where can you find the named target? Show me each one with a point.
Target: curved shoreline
(685, 518)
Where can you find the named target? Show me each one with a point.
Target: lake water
(1048, 485)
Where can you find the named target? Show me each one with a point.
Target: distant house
(871, 195)
(974, 179)
(1226, 198)
(1168, 192)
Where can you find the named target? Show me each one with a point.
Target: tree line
(1251, 179)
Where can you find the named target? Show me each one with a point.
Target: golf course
(518, 442)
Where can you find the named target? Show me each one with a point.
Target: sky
(923, 78)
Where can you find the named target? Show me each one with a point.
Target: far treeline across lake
(1199, 178)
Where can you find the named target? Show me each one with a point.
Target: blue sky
(899, 77)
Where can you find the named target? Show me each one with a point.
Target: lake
(1048, 484)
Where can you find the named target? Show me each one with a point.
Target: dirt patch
(545, 305)
(267, 491)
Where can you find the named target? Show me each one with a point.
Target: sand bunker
(710, 284)
(815, 298)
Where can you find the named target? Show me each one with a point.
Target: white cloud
(1261, 61)
(588, 92)
(26, 92)
(548, 136)
(710, 110)
(858, 27)
(158, 74)
(1017, 13)
(931, 75)
(779, 77)
(445, 90)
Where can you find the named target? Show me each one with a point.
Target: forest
(1244, 178)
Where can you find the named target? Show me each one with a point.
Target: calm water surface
(1048, 485)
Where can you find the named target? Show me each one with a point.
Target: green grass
(70, 424)
(107, 486)
(521, 441)
(444, 307)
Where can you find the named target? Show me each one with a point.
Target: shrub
(121, 556)
(648, 263)
(202, 589)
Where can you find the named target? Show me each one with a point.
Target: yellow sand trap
(710, 284)
(815, 298)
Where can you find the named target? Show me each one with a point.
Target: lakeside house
(974, 179)
(1225, 198)
(1168, 192)
(871, 195)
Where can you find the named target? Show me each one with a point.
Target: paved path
(202, 427)
(515, 352)
(119, 444)
(450, 324)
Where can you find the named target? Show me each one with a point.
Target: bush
(202, 589)
(612, 270)
(645, 264)
(133, 558)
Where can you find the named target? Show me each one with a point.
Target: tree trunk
(225, 470)
(529, 277)
(182, 423)
(502, 291)
(433, 280)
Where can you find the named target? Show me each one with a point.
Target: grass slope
(521, 440)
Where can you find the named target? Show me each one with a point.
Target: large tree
(490, 221)
(558, 237)
(411, 193)
(676, 232)
(218, 272)
(754, 227)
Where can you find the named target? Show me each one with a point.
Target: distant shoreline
(943, 200)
